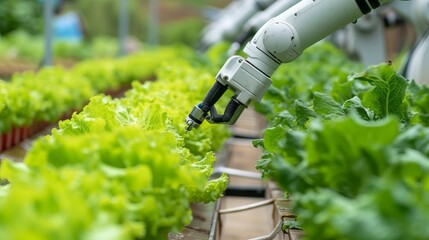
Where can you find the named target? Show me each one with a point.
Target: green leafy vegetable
(127, 163)
(357, 160)
(388, 93)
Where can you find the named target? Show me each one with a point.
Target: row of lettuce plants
(121, 168)
(32, 98)
(22, 47)
(350, 146)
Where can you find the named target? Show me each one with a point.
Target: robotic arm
(254, 23)
(280, 40)
(416, 63)
(231, 19)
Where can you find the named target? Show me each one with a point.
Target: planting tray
(203, 225)
(18, 134)
(282, 212)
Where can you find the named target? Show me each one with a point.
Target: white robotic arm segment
(280, 40)
(231, 19)
(273, 10)
(416, 11)
(235, 70)
(256, 22)
(421, 10)
(286, 36)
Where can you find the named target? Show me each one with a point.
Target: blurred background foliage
(20, 14)
(22, 29)
(181, 21)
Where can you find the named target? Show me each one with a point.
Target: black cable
(213, 96)
(230, 110)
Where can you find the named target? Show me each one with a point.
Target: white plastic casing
(281, 40)
(247, 82)
(275, 9)
(418, 69)
(416, 11)
(231, 20)
(420, 9)
(418, 65)
(284, 38)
